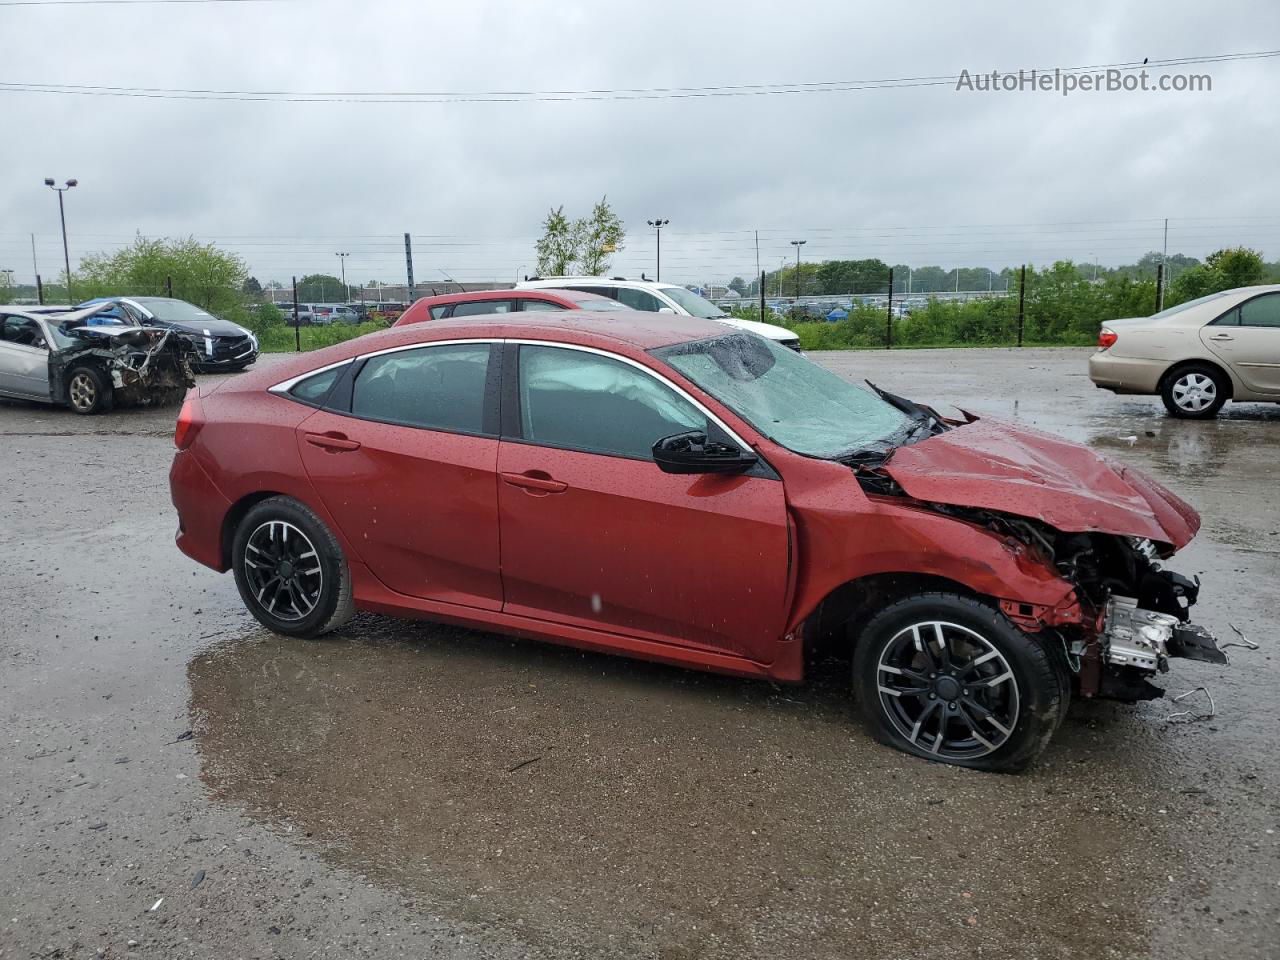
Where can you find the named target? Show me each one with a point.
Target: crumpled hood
(1001, 466)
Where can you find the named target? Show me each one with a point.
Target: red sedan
(667, 489)
(480, 302)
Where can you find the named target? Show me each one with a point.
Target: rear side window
(535, 305)
(639, 300)
(587, 402)
(1261, 311)
(480, 307)
(438, 388)
(315, 389)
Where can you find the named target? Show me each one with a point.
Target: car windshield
(789, 399)
(692, 303)
(174, 311)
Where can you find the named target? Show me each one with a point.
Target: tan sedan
(1197, 355)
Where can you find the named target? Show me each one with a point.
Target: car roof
(528, 294)
(542, 283)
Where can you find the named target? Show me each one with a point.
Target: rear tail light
(1106, 338)
(190, 419)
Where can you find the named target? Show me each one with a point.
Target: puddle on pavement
(673, 814)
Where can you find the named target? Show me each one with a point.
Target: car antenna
(461, 288)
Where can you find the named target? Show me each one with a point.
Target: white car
(655, 297)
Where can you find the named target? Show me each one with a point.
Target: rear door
(1247, 338)
(595, 534)
(404, 459)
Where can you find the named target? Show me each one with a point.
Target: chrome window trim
(284, 386)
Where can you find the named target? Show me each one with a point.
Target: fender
(845, 535)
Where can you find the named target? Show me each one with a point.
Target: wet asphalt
(176, 782)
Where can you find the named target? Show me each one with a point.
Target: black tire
(88, 390)
(1185, 389)
(284, 609)
(1009, 700)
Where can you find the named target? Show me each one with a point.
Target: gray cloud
(904, 174)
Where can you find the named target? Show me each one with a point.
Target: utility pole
(1164, 259)
(1022, 300)
(408, 265)
(657, 225)
(888, 317)
(346, 291)
(798, 244)
(35, 267)
(758, 255)
(62, 213)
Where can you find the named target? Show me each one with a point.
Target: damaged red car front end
(1069, 544)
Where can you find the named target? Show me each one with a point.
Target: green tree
(252, 288)
(597, 237)
(320, 288)
(557, 249)
(1237, 266)
(853, 276)
(738, 286)
(199, 272)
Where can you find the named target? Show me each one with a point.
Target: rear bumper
(1126, 374)
(201, 508)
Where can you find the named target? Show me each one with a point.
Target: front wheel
(88, 391)
(290, 570)
(949, 678)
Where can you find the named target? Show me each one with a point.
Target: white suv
(654, 297)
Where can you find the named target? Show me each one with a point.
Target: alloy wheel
(947, 690)
(83, 391)
(283, 570)
(1194, 392)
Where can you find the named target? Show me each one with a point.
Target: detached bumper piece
(1195, 643)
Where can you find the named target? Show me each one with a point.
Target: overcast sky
(921, 175)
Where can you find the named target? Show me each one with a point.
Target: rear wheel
(88, 391)
(949, 678)
(290, 570)
(1196, 392)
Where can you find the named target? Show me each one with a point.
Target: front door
(595, 534)
(407, 472)
(1248, 338)
(24, 358)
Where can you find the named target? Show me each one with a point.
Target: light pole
(346, 293)
(798, 244)
(62, 213)
(658, 225)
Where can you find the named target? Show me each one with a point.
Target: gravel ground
(405, 789)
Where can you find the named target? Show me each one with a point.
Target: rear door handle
(541, 484)
(1222, 336)
(332, 441)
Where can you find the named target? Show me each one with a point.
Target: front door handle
(335, 442)
(540, 484)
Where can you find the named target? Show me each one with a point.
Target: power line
(530, 96)
(117, 3)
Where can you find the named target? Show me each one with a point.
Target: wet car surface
(410, 788)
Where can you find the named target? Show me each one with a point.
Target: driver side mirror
(694, 452)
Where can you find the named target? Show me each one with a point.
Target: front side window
(789, 399)
(22, 331)
(438, 388)
(583, 401)
(1261, 311)
(477, 308)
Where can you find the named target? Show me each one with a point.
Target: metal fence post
(39, 289)
(888, 317)
(1159, 287)
(1022, 300)
(297, 327)
(762, 296)
(168, 287)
